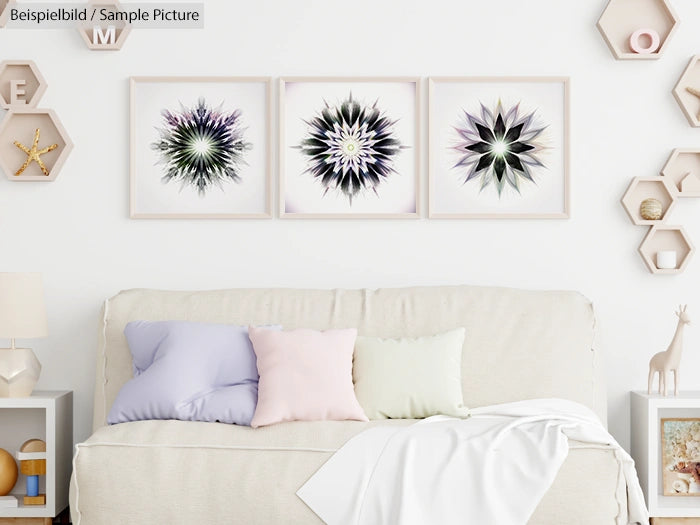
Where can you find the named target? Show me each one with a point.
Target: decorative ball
(651, 209)
(8, 472)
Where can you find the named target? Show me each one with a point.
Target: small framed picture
(499, 148)
(680, 456)
(349, 147)
(200, 147)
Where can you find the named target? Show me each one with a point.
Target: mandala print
(201, 146)
(500, 147)
(350, 147)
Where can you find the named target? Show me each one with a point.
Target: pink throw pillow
(305, 375)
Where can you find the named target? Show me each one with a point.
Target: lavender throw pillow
(188, 371)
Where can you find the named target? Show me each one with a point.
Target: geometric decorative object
(200, 147)
(21, 84)
(663, 237)
(499, 147)
(19, 372)
(622, 21)
(642, 189)
(104, 36)
(21, 126)
(32, 463)
(683, 169)
(3, 7)
(687, 92)
(349, 147)
(651, 209)
(23, 316)
(8, 472)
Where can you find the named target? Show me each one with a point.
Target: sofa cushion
(238, 474)
(188, 371)
(410, 378)
(304, 375)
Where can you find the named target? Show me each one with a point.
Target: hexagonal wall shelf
(621, 18)
(687, 91)
(683, 170)
(29, 92)
(3, 6)
(642, 188)
(94, 40)
(21, 126)
(664, 237)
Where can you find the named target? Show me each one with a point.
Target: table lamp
(22, 316)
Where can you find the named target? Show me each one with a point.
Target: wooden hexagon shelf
(683, 170)
(621, 18)
(687, 92)
(3, 6)
(21, 126)
(32, 88)
(100, 39)
(664, 237)
(642, 188)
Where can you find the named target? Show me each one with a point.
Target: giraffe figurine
(664, 362)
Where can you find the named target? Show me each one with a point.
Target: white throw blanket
(492, 468)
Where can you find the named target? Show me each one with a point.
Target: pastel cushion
(410, 378)
(188, 371)
(305, 375)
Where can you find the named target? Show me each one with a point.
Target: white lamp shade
(22, 307)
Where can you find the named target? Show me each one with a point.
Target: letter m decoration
(103, 33)
(100, 37)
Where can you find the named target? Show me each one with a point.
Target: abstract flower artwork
(499, 148)
(348, 148)
(199, 147)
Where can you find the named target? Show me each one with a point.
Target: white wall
(625, 122)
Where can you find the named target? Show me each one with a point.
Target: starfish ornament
(34, 154)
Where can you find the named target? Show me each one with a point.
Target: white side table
(47, 416)
(646, 414)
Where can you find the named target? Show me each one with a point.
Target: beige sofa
(519, 345)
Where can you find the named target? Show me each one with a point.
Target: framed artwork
(200, 147)
(680, 456)
(349, 147)
(499, 148)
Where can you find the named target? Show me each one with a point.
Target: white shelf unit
(646, 413)
(45, 415)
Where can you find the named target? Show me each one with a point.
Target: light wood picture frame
(349, 147)
(499, 148)
(200, 148)
(680, 456)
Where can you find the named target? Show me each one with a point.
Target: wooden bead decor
(651, 209)
(8, 472)
(32, 456)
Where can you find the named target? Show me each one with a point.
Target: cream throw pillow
(410, 378)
